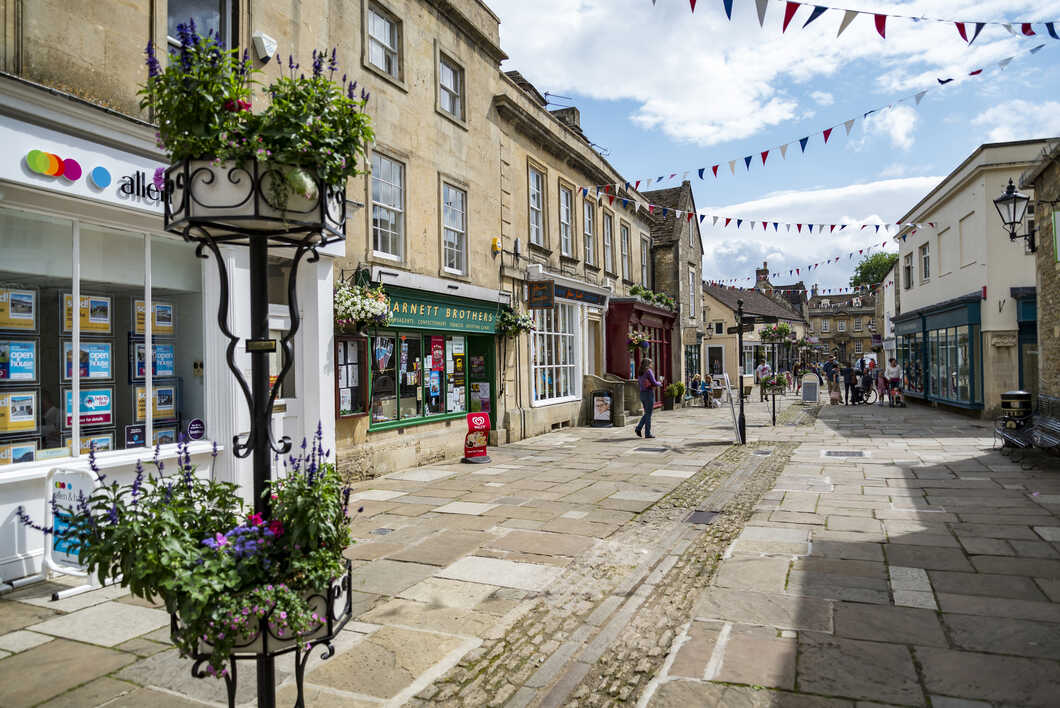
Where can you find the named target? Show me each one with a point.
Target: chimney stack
(762, 277)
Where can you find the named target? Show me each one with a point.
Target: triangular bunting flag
(817, 12)
(776, 226)
(827, 133)
(978, 28)
(764, 225)
(693, 4)
(765, 154)
(943, 82)
(739, 223)
(1035, 50)
(799, 227)
(789, 12)
(728, 220)
(784, 151)
(975, 73)
(701, 169)
(689, 216)
(625, 203)
(761, 5)
(1008, 27)
(920, 97)
(701, 217)
(714, 221)
(848, 125)
(960, 30)
(881, 25)
(714, 169)
(636, 186)
(1005, 62)
(810, 226)
(747, 161)
(877, 228)
(1050, 27)
(728, 8)
(732, 167)
(802, 143)
(848, 17)
(831, 229)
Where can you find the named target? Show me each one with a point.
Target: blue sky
(663, 91)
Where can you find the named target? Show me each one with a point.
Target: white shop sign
(65, 486)
(50, 160)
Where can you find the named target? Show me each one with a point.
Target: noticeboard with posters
(18, 309)
(95, 314)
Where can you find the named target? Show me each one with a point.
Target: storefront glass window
(384, 391)
(964, 366)
(350, 380)
(933, 362)
(410, 368)
(455, 374)
(554, 361)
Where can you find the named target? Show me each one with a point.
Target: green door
(482, 384)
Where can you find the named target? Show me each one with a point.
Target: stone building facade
(1044, 178)
(843, 323)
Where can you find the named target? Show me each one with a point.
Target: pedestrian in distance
(647, 383)
(762, 372)
(830, 373)
(849, 378)
(893, 373)
(798, 370)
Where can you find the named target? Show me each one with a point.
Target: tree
(873, 269)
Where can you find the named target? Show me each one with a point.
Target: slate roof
(754, 302)
(664, 227)
(525, 85)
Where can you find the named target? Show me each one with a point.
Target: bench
(1046, 432)
(1021, 438)
(1042, 430)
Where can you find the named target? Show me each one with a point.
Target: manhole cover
(701, 517)
(844, 453)
(380, 532)
(762, 452)
(649, 449)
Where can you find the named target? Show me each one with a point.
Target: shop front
(109, 339)
(1027, 352)
(940, 352)
(626, 316)
(406, 388)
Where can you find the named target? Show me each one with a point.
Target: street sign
(746, 328)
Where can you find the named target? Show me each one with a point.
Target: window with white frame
(857, 347)
(826, 326)
(645, 250)
(841, 326)
(907, 271)
(384, 51)
(692, 290)
(609, 254)
(857, 324)
(589, 232)
(454, 228)
(554, 355)
(719, 327)
(925, 262)
(209, 16)
(566, 221)
(451, 87)
(625, 251)
(388, 207)
(536, 191)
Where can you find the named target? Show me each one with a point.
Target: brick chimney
(762, 278)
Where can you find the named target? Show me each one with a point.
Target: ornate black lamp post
(211, 205)
(1012, 206)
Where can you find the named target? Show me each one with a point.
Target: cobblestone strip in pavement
(562, 637)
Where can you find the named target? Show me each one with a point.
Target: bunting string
(798, 271)
(636, 185)
(967, 30)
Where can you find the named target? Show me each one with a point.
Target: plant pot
(668, 403)
(253, 199)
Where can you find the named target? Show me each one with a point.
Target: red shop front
(625, 316)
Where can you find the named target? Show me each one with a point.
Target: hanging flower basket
(636, 339)
(359, 307)
(511, 323)
(775, 383)
(776, 334)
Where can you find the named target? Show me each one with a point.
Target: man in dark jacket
(848, 376)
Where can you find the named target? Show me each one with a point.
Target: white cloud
(703, 79)
(1020, 120)
(732, 253)
(896, 123)
(823, 98)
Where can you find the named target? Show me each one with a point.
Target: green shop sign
(418, 312)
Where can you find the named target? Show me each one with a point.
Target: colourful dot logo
(46, 163)
(100, 177)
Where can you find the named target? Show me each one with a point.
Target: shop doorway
(482, 390)
(715, 361)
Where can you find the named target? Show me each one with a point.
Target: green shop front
(940, 351)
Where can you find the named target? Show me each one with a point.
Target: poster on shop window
(95, 361)
(18, 361)
(18, 310)
(94, 314)
(18, 411)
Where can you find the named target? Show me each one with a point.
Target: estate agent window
(388, 207)
(384, 51)
(451, 87)
(566, 218)
(625, 251)
(589, 232)
(454, 228)
(609, 256)
(553, 356)
(85, 322)
(537, 207)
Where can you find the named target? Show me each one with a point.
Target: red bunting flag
(693, 4)
(1027, 30)
(651, 208)
(796, 271)
(831, 229)
(765, 154)
(975, 73)
(860, 251)
(799, 226)
(789, 12)
(961, 31)
(690, 215)
(763, 226)
(715, 170)
(636, 186)
(881, 25)
(827, 133)
(727, 220)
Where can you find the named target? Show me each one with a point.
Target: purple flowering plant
(228, 574)
(204, 98)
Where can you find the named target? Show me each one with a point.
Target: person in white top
(893, 374)
(762, 371)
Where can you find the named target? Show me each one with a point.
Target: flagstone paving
(566, 572)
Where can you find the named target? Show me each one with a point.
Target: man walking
(762, 372)
(830, 368)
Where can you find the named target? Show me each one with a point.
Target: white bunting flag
(920, 97)
(848, 125)
(732, 167)
(1005, 62)
(761, 4)
(783, 151)
(848, 17)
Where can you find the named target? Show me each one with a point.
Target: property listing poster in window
(163, 362)
(100, 442)
(97, 406)
(18, 310)
(163, 407)
(163, 324)
(14, 452)
(94, 313)
(18, 361)
(94, 363)
(18, 412)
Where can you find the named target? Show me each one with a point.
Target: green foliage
(653, 298)
(675, 390)
(202, 103)
(511, 323)
(873, 269)
(225, 573)
(779, 332)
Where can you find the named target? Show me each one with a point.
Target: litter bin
(602, 409)
(1016, 409)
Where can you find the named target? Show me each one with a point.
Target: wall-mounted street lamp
(1012, 206)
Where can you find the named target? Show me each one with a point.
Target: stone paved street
(864, 556)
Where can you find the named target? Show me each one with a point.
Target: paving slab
(469, 508)
(494, 571)
(871, 671)
(562, 544)
(756, 656)
(999, 607)
(1020, 588)
(927, 557)
(761, 574)
(1002, 635)
(96, 693)
(420, 615)
(40, 594)
(442, 548)
(41, 673)
(695, 653)
(768, 609)
(884, 623)
(21, 640)
(441, 592)
(1032, 567)
(105, 624)
(376, 495)
(989, 677)
(16, 615)
(420, 475)
(387, 577)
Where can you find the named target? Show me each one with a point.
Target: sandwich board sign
(65, 487)
(732, 408)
